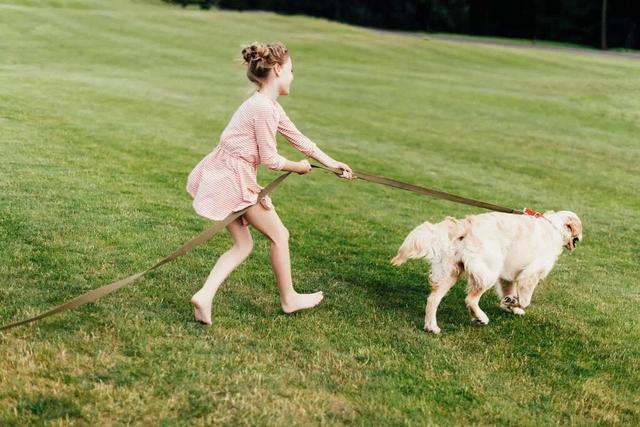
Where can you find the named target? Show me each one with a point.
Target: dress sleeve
(265, 125)
(293, 135)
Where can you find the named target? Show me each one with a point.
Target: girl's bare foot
(296, 301)
(201, 308)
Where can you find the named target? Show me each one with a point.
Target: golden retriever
(513, 251)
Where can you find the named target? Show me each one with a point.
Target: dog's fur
(513, 251)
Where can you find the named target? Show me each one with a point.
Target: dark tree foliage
(575, 21)
(204, 4)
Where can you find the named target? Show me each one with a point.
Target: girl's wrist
(290, 166)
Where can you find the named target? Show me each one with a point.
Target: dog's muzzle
(572, 243)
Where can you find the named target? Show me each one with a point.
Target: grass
(106, 106)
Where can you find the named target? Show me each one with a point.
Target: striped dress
(224, 181)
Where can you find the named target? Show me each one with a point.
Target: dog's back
(503, 243)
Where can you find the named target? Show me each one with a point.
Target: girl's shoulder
(259, 104)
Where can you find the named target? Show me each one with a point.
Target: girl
(225, 180)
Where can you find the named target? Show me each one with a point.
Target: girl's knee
(280, 237)
(244, 248)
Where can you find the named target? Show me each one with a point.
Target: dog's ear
(573, 225)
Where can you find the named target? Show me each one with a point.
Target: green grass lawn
(105, 107)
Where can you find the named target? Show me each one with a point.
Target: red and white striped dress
(225, 180)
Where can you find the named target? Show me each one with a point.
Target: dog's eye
(575, 241)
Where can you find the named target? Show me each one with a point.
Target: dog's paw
(517, 311)
(513, 310)
(510, 301)
(432, 328)
(480, 319)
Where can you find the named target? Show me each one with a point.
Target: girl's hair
(261, 58)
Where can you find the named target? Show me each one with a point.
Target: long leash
(98, 293)
(196, 241)
(423, 190)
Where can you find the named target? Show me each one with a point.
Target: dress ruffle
(222, 183)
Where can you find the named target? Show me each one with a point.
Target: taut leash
(423, 190)
(98, 293)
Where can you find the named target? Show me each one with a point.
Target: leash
(98, 293)
(424, 190)
(196, 241)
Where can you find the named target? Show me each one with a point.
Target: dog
(514, 252)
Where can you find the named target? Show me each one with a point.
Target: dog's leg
(477, 287)
(506, 291)
(526, 287)
(527, 281)
(441, 281)
(505, 288)
(438, 291)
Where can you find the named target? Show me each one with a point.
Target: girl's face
(284, 75)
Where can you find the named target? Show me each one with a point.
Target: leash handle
(337, 171)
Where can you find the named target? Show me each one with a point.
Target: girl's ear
(277, 69)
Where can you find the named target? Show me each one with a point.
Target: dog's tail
(431, 240)
(418, 244)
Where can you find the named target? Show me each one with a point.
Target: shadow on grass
(49, 408)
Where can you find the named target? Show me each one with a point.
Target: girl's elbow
(274, 163)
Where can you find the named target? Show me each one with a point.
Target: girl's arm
(326, 160)
(301, 167)
(265, 126)
(307, 147)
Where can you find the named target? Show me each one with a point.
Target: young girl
(225, 180)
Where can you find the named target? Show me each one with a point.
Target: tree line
(600, 23)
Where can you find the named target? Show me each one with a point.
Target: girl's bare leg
(242, 246)
(268, 223)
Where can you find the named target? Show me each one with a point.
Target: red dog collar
(531, 212)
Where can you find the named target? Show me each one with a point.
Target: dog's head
(571, 228)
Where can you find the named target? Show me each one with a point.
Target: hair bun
(260, 58)
(255, 52)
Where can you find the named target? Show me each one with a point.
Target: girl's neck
(270, 91)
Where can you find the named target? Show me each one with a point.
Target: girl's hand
(347, 173)
(302, 167)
